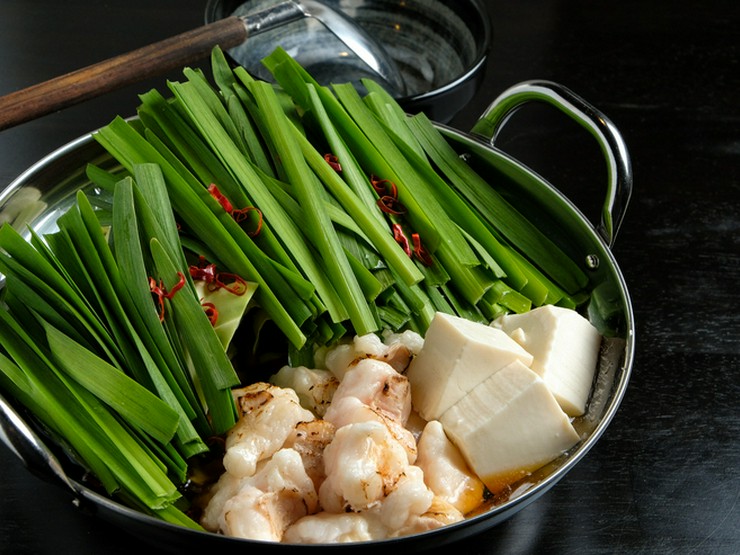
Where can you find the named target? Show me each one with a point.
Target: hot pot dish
(296, 315)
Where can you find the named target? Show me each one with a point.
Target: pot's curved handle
(28, 447)
(619, 184)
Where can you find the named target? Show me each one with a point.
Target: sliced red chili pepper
(420, 251)
(211, 311)
(216, 280)
(179, 285)
(384, 187)
(390, 205)
(219, 196)
(161, 292)
(243, 214)
(156, 290)
(333, 161)
(401, 238)
(237, 285)
(203, 272)
(239, 214)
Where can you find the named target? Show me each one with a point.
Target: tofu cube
(509, 426)
(565, 347)
(457, 356)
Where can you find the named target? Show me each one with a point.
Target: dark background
(665, 478)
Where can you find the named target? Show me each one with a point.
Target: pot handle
(619, 184)
(29, 448)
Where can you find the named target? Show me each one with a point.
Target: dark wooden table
(666, 476)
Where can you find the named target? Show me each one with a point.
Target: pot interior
(40, 195)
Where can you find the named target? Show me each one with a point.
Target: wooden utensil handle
(69, 89)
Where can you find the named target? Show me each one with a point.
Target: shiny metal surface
(663, 480)
(349, 34)
(54, 180)
(439, 47)
(610, 140)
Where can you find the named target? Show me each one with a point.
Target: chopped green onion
(317, 220)
(133, 402)
(325, 212)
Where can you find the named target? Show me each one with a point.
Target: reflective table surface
(665, 478)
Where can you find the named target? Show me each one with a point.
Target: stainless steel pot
(41, 194)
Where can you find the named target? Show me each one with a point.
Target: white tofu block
(509, 426)
(565, 347)
(457, 355)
